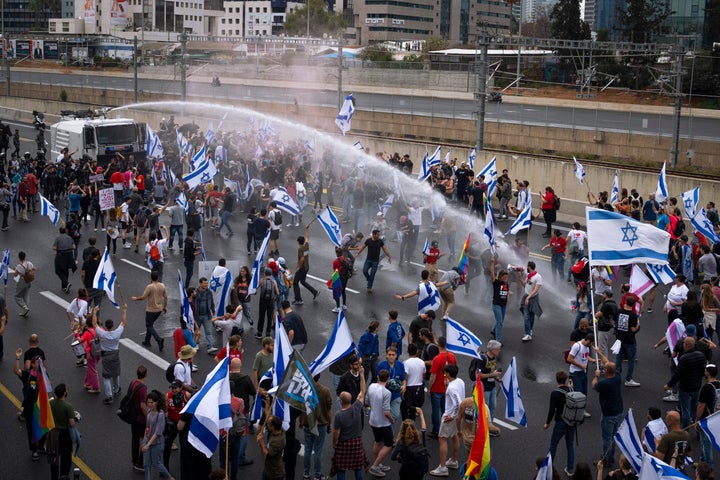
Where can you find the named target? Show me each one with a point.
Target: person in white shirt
(110, 347)
(601, 280)
(454, 394)
(77, 309)
(183, 368)
(530, 301)
(381, 420)
(156, 264)
(274, 229)
(676, 297)
(575, 247)
(227, 322)
(414, 387)
(22, 288)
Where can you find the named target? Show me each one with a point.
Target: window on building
(237, 9)
(264, 9)
(694, 10)
(257, 20)
(222, 32)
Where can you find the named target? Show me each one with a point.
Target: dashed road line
(324, 282)
(136, 265)
(509, 426)
(145, 353)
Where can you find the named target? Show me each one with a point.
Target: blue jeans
(557, 265)
(437, 400)
(629, 351)
(688, 405)
(499, 312)
(706, 449)
(369, 270)
(152, 459)
(561, 429)
(225, 221)
(314, 446)
(189, 270)
(609, 425)
(529, 320)
(491, 400)
(233, 453)
(579, 381)
(358, 474)
(173, 230)
(111, 385)
(207, 327)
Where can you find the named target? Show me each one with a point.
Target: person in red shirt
(32, 191)
(175, 400)
(557, 246)
(235, 349)
(139, 182)
(639, 302)
(548, 209)
(437, 384)
(430, 258)
(337, 264)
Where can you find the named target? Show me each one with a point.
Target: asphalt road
(519, 113)
(106, 440)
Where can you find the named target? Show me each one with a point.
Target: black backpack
(277, 218)
(679, 228)
(170, 372)
(556, 202)
(267, 292)
(415, 460)
(346, 268)
(141, 217)
(126, 412)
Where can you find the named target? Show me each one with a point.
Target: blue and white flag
(220, 286)
(690, 200)
(105, 277)
(202, 247)
(222, 120)
(209, 134)
(183, 202)
(5, 266)
(661, 274)
(284, 201)
(258, 264)
(545, 472)
(183, 145)
(628, 441)
(490, 172)
(169, 176)
(210, 408)
(185, 308)
(711, 426)
(428, 297)
(489, 231)
(447, 156)
(153, 145)
(426, 247)
(615, 239)
(331, 225)
(514, 409)
(221, 154)
(615, 192)
(281, 357)
(428, 162)
(257, 411)
(47, 209)
(358, 146)
(661, 193)
(460, 340)
(387, 204)
(308, 147)
(199, 158)
(301, 196)
(579, 171)
(522, 222)
(702, 224)
(338, 346)
(655, 469)
(654, 429)
(251, 186)
(344, 116)
(471, 158)
(201, 175)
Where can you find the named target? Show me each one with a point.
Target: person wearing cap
(430, 259)
(183, 368)
(175, 400)
(609, 388)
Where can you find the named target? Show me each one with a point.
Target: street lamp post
(517, 69)
(183, 76)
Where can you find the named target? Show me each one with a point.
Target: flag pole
(592, 296)
(311, 221)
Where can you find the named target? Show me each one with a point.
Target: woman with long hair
(86, 335)
(239, 293)
(710, 308)
(548, 210)
(409, 451)
(153, 442)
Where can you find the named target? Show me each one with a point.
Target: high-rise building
(687, 20)
(23, 16)
(605, 17)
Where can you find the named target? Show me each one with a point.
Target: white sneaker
(335, 310)
(376, 472)
(586, 415)
(452, 464)
(297, 224)
(631, 383)
(289, 225)
(127, 245)
(384, 468)
(527, 338)
(344, 307)
(670, 398)
(440, 471)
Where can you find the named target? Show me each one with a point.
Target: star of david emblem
(286, 198)
(102, 279)
(214, 283)
(464, 339)
(492, 173)
(205, 177)
(688, 203)
(629, 234)
(336, 229)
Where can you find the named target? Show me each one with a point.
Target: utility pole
(517, 69)
(675, 150)
(339, 75)
(308, 21)
(135, 67)
(183, 73)
(481, 90)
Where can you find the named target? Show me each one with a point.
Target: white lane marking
(496, 421)
(136, 265)
(143, 352)
(325, 282)
(55, 299)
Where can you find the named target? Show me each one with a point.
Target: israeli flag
(490, 172)
(654, 429)
(220, 285)
(183, 145)
(202, 247)
(209, 134)
(5, 266)
(661, 193)
(344, 116)
(702, 224)
(153, 145)
(281, 357)
(387, 204)
(105, 277)
(251, 186)
(614, 194)
(615, 239)
(447, 155)
(183, 202)
(47, 209)
(222, 120)
(210, 408)
(460, 340)
(338, 346)
(522, 222)
(301, 195)
(655, 469)
(169, 176)
(427, 163)
(428, 297)
(471, 158)
(284, 201)
(545, 472)
(628, 441)
(358, 146)
(690, 200)
(258, 153)
(201, 175)
(489, 231)
(579, 171)
(309, 147)
(257, 264)
(331, 225)
(187, 312)
(514, 409)
(661, 274)
(426, 247)
(199, 158)
(220, 154)
(711, 426)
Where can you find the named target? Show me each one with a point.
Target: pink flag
(640, 284)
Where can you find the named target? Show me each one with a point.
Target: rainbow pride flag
(463, 261)
(42, 421)
(478, 463)
(335, 284)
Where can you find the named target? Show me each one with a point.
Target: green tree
(322, 22)
(376, 53)
(640, 20)
(435, 43)
(565, 22)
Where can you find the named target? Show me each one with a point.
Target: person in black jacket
(688, 375)
(561, 429)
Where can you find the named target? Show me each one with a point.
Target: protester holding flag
(59, 437)
(29, 378)
(707, 405)
(530, 302)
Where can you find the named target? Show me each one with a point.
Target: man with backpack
(182, 369)
(268, 294)
(136, 395)
(24, 275)
(561, 428)
(707, 405)
(154, 252)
